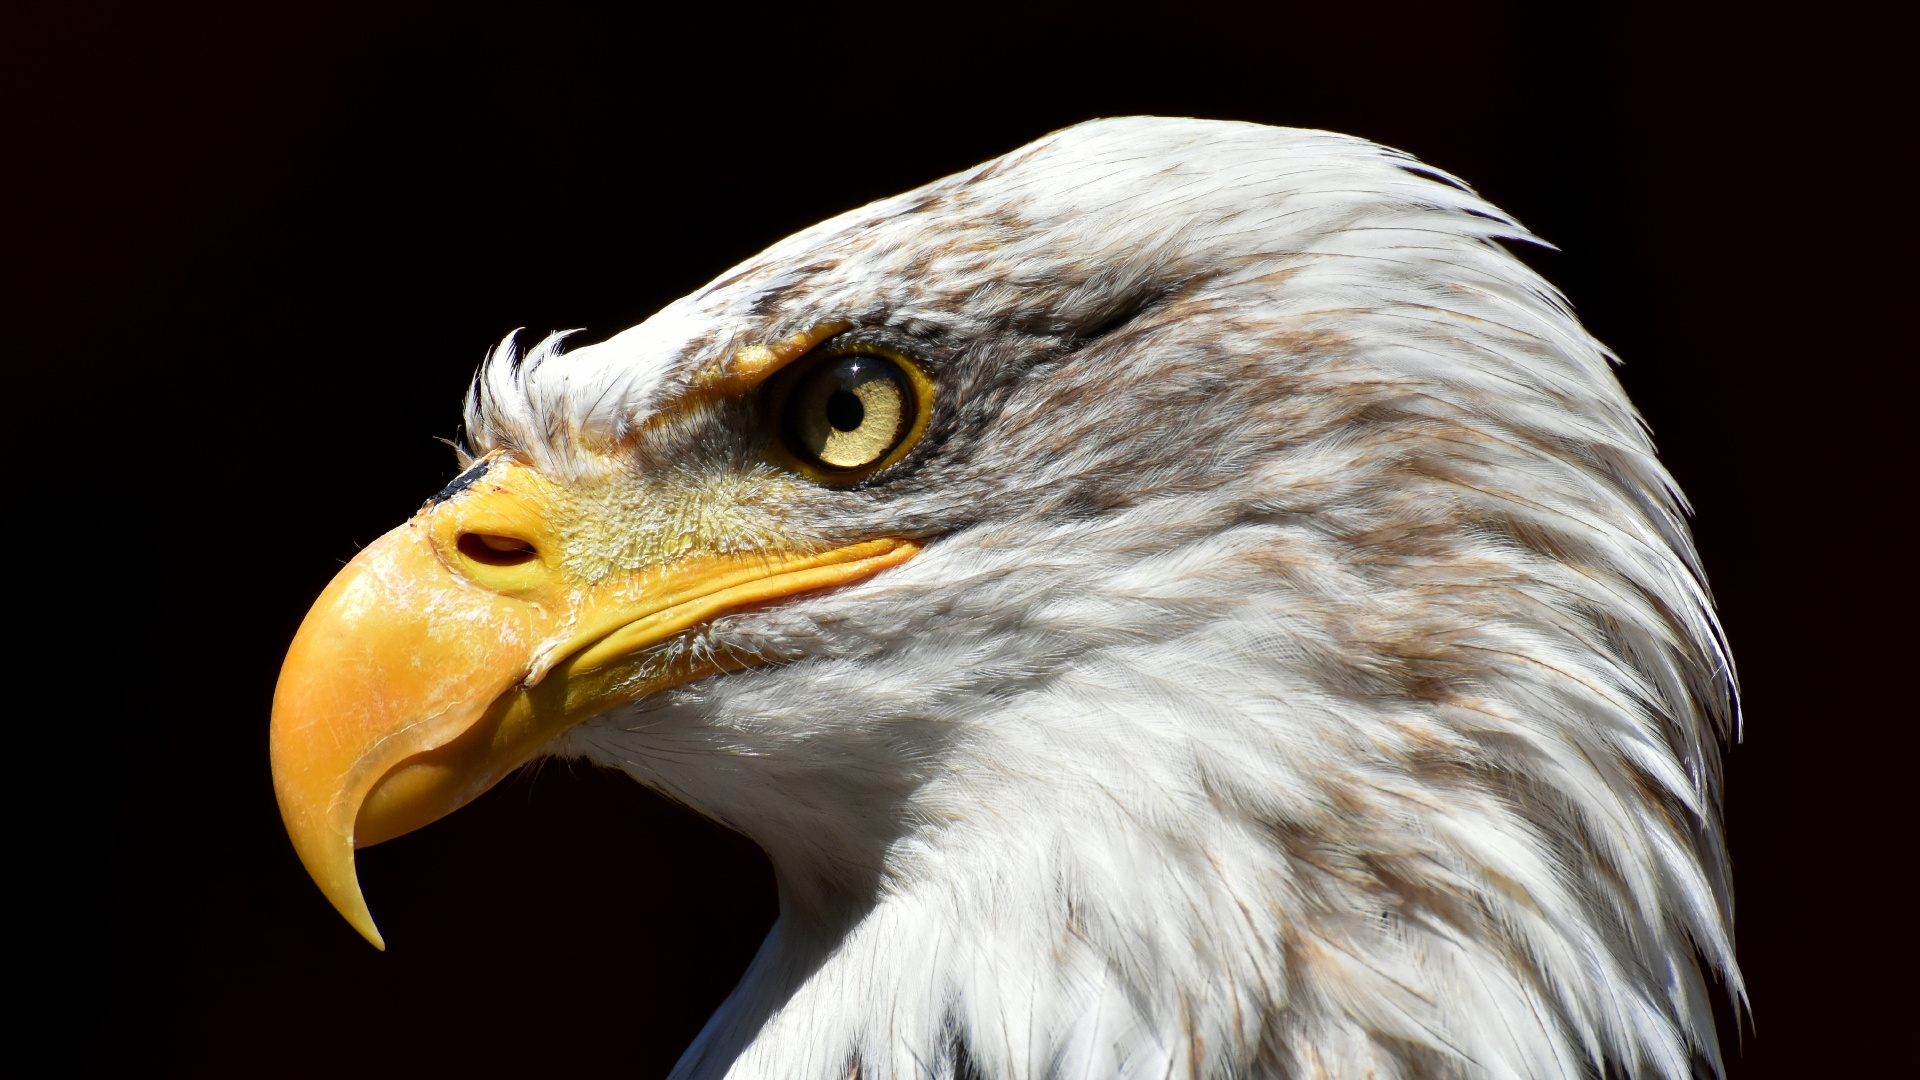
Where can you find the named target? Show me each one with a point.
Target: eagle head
(1179, 599)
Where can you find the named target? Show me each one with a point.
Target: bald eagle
(1177, 600)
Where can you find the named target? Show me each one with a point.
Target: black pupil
(845, 411)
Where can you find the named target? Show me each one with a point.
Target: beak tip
(352, 906)
(356, 913)
(332, 868)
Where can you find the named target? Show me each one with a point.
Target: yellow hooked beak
(456, 647)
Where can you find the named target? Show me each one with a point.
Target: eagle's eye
(849, 412)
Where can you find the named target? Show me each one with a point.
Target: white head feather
(1308, 672)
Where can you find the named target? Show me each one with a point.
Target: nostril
(495, 550)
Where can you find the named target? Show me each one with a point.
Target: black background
(253, 253)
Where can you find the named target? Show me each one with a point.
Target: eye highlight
(849, 412)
